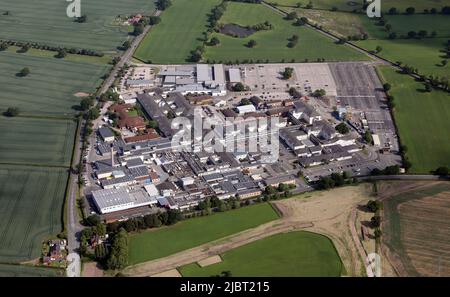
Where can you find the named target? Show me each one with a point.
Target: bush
(12, 112)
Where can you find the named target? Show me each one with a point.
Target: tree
(245, 101)
(93, 220)
(93, 113)
(24, 72)
(126, 45)
(442, 171)
(239, 87)
(393, 11)
(152, 124)
(373, 205)
(388, 27)
(173, 216)
(428, 87)
(61, 54)
(287, 73)
(392, 35)
(154, 20)
(100, 252)
(3, 46)
(138, 29)
(291, 16)
(375, 221)
(294, 93)
(12, 112)
(81, 19)
(386, 87)
(378, 49)
(444, 62)
(214, 41)
(319, 93)
(410, 10)
(367, 136)
(163, 4)
(342, 128)
(251, 43)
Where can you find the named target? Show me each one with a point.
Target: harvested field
(417, 230)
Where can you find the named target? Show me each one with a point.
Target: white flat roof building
(235, 75)
(246, 108)
(111, 200)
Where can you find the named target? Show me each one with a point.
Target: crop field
(50, 87)
(287, 254)
(36, 141)
(417, 229)
(181, 27)
(46, 22)
(31, 204)
(272, 45)
(422, 120)
(190, 233)
(7, 270)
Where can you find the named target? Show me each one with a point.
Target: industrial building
(111, 200)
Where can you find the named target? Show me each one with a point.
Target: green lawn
(272, 44)
(172, 40)
(36, 141)
(190, 233)
(50, 87)
(29, 271)
(289, 254)
(31, 204)
(423, 121)
(423, 54)
(45, 21)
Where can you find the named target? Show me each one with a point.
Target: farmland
(28, 271)
(416, 229)
(50, 87)
(36, 141)
(46, 22)
(272, 45)
(194, 232)
(287, 254)
(31, 204)
(179, 32)
(422, 121)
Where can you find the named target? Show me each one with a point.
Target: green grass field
(288, 254)
(422, 120)
(190, 233)
(46, 22)
(50, 87)
(28, 271)
(31, 204)
(172, 40)
(272, 44)
(36, 141)
(423, 54)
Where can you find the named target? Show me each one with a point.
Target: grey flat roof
(154, 111)
(235, 75)
(116, 197)
(105, 132)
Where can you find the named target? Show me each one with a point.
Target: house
(106, 134)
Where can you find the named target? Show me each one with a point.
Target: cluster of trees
(27, 45)
(247, 1)
(139, 26)
(412, 10)
(287, 73)
(24, 72)
(342, 128)
(291, 16)
(334, 180)
(282, 188)
(118, 257)
(389, 170)
(367, 136)
(293, 41)
(215, 204)
(214, 41)
(155, 220)
(421, 34)
(163, 4)
(215, 15)
(374, 205)
(196, 55)
(301, 21)
(262, 26)
(252, 43)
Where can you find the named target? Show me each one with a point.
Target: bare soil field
(328, 213)
(416, 227)
(210, 261)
